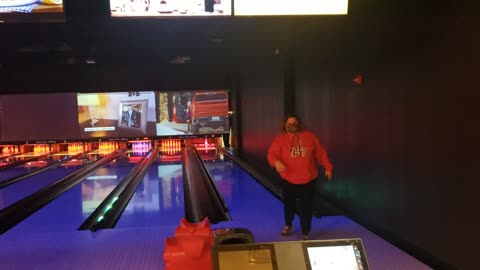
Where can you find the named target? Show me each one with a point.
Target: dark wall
(259, 62)
(39, 117)
(402, 143)
(141, 54)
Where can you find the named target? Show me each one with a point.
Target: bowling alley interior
(139, 134)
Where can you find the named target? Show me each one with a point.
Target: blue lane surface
(13, 172)
(69, 210)
(158, 200)
(99, 185)
(26, 167)
(27, 186)
(250, 204)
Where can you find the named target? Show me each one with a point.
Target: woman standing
(294, 154)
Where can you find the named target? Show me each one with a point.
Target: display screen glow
(288, 7)
(170, 8)
(333, 258)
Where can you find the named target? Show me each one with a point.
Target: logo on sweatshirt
(298, 151)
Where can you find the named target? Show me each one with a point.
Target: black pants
(303, 195)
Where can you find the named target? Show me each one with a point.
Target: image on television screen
(198, 112)
(288, 7)
(30, 10)
(333, 258)
(335, 254)
(120, 114)
(159, 8)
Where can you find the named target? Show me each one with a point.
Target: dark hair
(299, 121)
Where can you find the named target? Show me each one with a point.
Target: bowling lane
(21, 168)
(250, 204)
(69, 210)
(16, 171)
(46, 160)
(19, 190)
(14, 192)
(158, 200)
(6, 159)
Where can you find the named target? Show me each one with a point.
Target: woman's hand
(328, 174)
(279, 166)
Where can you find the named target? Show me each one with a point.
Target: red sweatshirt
(298, 152)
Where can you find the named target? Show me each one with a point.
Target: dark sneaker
(287, 230)
(305, 237)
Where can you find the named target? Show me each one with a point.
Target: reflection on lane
(68, 211)
(13, 193)
(221, 171)
(96, 187)
(24, 168)
(8, 161)
(19, 190)
(250, 204)
(158, 200)
(39, 163)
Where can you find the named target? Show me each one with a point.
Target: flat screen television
(345, 254)
(289, 7)
(31, 10)
(198, 112)
(119, 114)
(170, 8)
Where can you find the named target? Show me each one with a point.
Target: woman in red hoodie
(294, 154)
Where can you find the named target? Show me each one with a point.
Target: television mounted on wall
(19, 11)
(289, 7)
(117, 114)
(193, 113)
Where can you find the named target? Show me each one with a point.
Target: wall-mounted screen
(31, 10)
(198, 112)
(159, 8)
(288, 7)
(121, 114)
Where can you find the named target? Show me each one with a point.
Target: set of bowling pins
(141, 146)
(11, 149)
(39, 149)
(75, 147)
(106, 147)
(173, 146)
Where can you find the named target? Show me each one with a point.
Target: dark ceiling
(90, 35)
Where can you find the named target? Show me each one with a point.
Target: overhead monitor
(170, 8)
(119, 114)
(289, 7)
(31, 11)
